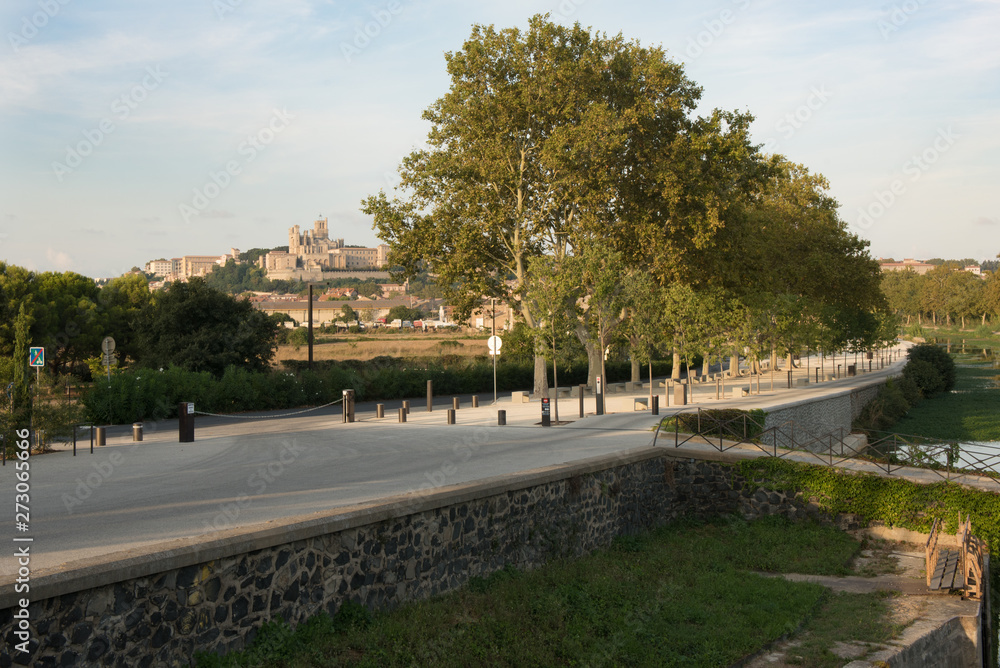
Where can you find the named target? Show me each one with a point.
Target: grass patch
(683, 595)
(969, 413)
(859, 618)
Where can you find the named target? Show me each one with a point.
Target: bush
(915, 331)
(939, 358)
(888, 406)
(925, 376)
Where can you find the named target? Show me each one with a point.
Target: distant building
(974, 269)
(159, 267)
(313, 252)
(908, 264)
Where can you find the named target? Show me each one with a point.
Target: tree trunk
(541, 388)
(734, 365)
(675, 367)
(593, 355)
(704, 366)
(635, 370)
(791, 361)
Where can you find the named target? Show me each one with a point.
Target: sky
(132, 130)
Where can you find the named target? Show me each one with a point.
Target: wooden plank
(945, 574)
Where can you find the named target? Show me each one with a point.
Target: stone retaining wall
(158, 609)
(820, 418)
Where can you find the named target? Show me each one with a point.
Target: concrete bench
(640, 403)
(565, 392)
(831, 376)
(633, 386)
(616, 387)
(520, 397)
(741, 392)
(799, 382)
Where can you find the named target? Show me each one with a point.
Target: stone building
(312, 253)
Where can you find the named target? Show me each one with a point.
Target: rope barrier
(270, 417)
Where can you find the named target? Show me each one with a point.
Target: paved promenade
(252, 473)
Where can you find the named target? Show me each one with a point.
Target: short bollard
(92, 432)
(789, 378)
(501, 418)
(475, 401)
(583, 389)
(101, 437)
(656, 404)
(455, 403)
(348, 406)
(402, 415)
(380, 410)
(430, 396)
(451, 416)
(406, 407)
(136, 432)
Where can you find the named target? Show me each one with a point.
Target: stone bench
(520, 397)
(616, 387)
(741, 392)
(799, 382)
(633, 386)
(575, 391)
(565, 392)
(640, 403)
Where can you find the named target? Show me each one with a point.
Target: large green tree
(557, 135)
(196, 327)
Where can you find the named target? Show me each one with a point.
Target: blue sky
(113, 113)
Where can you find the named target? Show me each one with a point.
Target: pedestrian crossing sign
(36, 356)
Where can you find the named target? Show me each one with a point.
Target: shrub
(941, 360)
(925, 376)
(888, 406)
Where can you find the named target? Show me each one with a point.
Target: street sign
(36, 356)
(494, 343)
(108, 345)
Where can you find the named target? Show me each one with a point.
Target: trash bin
(136, 432)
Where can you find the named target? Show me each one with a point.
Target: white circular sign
(108, 345)
(494, 343)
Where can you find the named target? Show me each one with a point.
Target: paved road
(242, 472)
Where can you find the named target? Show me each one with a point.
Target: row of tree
(189, 325)
(566, 172)
(944, 294)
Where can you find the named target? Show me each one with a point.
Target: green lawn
(685, 595)
(970, 413)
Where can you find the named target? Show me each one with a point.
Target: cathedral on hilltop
(312, 253)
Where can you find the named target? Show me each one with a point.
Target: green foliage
(940, 359)
(925, 376)
(888, 406)
(196, 327)
(893, 501)
(233, 278)
(404, 313)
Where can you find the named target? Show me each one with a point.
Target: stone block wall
(818, 419)
(213, 597)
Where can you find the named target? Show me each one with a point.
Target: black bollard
(656, 404)
(185, 422)
(451, 416)
(582, 390)
(501, 418)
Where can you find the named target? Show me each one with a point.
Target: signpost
(108, 347)
(494, 343)
(36, 358)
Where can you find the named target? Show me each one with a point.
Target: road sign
(108, 345)
(494, 343)
(36, 356)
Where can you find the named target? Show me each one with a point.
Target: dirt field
(367, 346)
